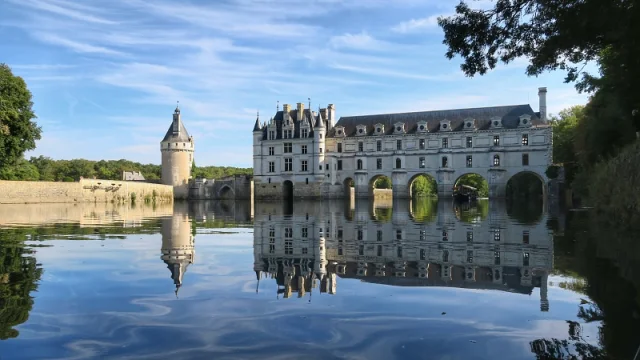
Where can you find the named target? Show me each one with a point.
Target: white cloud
(63, 8)
(416, 25)
(75, 45)
(361, 41)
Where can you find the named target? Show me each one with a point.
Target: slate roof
(509, 114)
(182, 136)
(279, 119)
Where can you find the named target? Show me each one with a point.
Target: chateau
(304, 153)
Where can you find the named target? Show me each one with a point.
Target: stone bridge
(235, 187)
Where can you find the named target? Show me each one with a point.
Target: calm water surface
(371, 280)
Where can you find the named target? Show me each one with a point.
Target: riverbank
(85, 190)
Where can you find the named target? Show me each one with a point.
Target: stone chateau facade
(304, 153)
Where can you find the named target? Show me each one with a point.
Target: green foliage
(476, 181)
(382, 182)
(424, 209)
(564, 140)
(424, 186)
(217, 172)
(22, 170)
(552, 171)
(18, 131)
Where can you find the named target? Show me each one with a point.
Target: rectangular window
(360, 234)
(469, 236)
(445, 236)
(361, 250)
(496, 160)
(339, 164)
(398, 144)
(272, 241)
(288, 232)
(525, 139)
(525, 259)
(339, 147)
(470, 256)
(304, 149)
(339, 233)
(445, 162)
(423, 254)
(469, 141)
(379, 164)
(320, 136)
(379, 235)
(422, 163)
(272, 150)
(326, 166)
(399, 251)
(469, 161)
(272, 166)
(305, 133)
(379, 251)
(320, 167)
(421, 144)
(288, 247)
(398, 234)
(305, 232)
(305, 251)
(379, 145)
(272, 135)
(496, 235)
(287, 134)
(445, 143)
(525, 237)
(288, 164)
(360, 146)
(288, 148)
(303, 165)
(496, 140)
(525, 159)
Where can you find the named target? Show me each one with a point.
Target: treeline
(46, 169)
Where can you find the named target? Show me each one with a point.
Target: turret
(319, 134)
(257, 146)
(177, 149)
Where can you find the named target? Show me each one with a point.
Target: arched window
(359, 164)
(445, 162)
(496, 160)
(398, 163)
(496, 275)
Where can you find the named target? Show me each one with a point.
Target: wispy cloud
(63, 8)
(417, 25)
(75, 45)
(361, 41)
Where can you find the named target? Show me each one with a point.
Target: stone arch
(349, 187)
(474, 179)
(372, 183)
(415, 177)
(287, 189)
(543, 186)
(226, 192)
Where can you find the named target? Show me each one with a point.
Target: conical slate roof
(182, 134)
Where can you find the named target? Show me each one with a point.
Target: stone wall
(86, 190)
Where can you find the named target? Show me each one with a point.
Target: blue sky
(106, 74)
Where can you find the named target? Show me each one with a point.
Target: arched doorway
(422, 185)
(380, 186)
(287, 190)
(475, 181)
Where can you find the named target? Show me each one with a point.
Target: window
(399, 251)
(339, 164)
(379, 252)
(496, 140)
(469, 141)
(359, 164)
(320, 167)
(445, 143)
(379, 235)
(496, 261)
(398, 144)
(304, 149)
(496, 160)
(272, 135)
(339, 233)
(288, 247)
(306, 180)
(272, 150)
(525, 139)
(360, 234)
(360, 146)
(470, 256)
(445, 256)
(423, 254)
(469, 161)
(421, 144)
(288, 164)
(305, 232)
(288, 148)
(469, 236)
(326, 166)
(303, 165)
(398, 234)
(320, 150)
(339, 147)
(272, 241)
(286, 134)
(445, 236)
(320, 136)
(525, 259)
(379, 164)
(525, 159)
(379, 145)
(340, 252)
(305, 251)
(269, 179)
(423, 163)
(445, 162)
(361, 250)
(525, 237)
(398, 164)
(305, 133)
(272, 166)
(496, 235)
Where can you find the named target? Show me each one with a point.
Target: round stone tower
(177, 149)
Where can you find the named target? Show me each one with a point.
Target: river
(421, 279)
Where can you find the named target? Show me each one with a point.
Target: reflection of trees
(471, 212)
(19, 275)
(608, 262)
(382, 214)
(525, 212)
(424, 209)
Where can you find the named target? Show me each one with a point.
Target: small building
(132, 176)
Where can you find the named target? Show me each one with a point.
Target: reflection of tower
(544, 302)
(177, 245)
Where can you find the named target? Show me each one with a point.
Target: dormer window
(469, 125)
(379, 129)
(340, 131)
(399, 128)
(445, 125)
(361, 130)
(525, 120)
(496, 122)
(422, 127)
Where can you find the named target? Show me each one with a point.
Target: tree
(18, 131)
(476, 181)
(424, 185)
(553, 35)
(22, 170)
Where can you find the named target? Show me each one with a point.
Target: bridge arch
(475, 180)
(380, 182)
(427, 183)
(226, 192)
(349, 187)
(526, 184)
(287, 189)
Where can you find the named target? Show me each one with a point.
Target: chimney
(323, 113)
(331, 116)
(542, 97)
(300, 111)
(285, 110)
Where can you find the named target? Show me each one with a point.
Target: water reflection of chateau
(319, 242)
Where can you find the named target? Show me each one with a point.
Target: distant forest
(46, 169)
